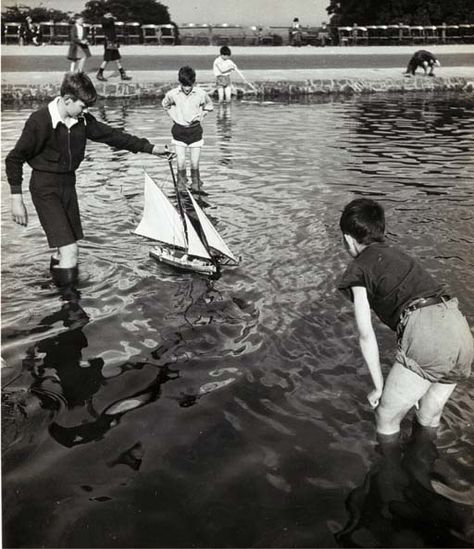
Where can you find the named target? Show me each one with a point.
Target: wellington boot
(64, 277)
(54, 261)
(196, 183)
(182, 181)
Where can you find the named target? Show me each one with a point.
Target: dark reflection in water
(153, 408)
(397, 497)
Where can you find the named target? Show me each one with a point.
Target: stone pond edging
(13, 93)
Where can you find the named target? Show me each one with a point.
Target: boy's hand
(374, 397)
(19, 212)
(169, 154)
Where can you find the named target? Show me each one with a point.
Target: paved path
(24, 65)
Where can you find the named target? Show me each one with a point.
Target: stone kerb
(12, 93)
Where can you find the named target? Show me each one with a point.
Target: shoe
(123, 75)
(100, 76)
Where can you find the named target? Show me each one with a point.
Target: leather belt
(424, 302)
(417, 304)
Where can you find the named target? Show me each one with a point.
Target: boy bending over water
(435, 345)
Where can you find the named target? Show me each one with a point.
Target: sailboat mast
(178, 198)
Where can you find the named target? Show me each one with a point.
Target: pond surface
(152, 408)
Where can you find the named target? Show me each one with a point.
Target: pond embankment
(35, 74)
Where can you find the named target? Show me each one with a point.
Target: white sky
(239, 12)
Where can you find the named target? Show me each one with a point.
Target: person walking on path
(111, 48)
(79, 47)
(30, 32)
(435, 344)
(295, 33)
(187, 105)
(53, 143)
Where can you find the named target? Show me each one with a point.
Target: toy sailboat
(180, 245)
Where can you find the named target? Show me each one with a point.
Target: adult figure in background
(31, 32)
(295, 32)
(79, 47)
(111, 48)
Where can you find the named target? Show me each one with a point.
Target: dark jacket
(108, 26)
(61, 150)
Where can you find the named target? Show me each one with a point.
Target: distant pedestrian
(223, 67)
(31, 32)
(111, 48)
(422, 58)
(79, 47)
(295, 33)
(187, 105)
(53, 143)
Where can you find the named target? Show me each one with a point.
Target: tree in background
(18, 14)
(410, 12)
(141, 11)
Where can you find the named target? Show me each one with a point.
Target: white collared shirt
(186, 107)
(223, 66)
(56, 117)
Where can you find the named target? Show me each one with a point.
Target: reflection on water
(152, 408)
(397, 497)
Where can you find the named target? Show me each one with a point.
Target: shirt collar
(187, 94)
(56, 117)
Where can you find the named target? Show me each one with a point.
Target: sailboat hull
(182, 260)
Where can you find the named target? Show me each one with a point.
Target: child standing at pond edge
(435, 345)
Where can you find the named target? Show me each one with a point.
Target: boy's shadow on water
(396, 506)
(62, 379)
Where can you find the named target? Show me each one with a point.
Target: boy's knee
(387, 420)
(71, 251)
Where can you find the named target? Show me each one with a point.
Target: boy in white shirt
(187, 105)
(223, 68)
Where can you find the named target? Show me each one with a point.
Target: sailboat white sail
(195, 245)
(213, 238)
(181, 245)
(160, 220)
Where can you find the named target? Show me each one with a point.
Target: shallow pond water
(152, 408)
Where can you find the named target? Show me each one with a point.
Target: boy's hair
(364, 220)
(187, 76)
(77, 85)
(225, 50)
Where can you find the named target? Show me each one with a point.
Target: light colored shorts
(194, 145)
(437, 343)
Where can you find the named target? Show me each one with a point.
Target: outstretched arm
(368, 342)
(98, 131)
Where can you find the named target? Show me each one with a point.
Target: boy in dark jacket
(424, 59)
(435, 345)
(53, 143)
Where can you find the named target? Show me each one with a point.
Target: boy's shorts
(437, 343)
(223, 80)
(55, 200)
(187, 136)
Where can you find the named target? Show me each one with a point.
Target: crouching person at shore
(53, 143)
(435, 345)
(423, 59)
